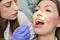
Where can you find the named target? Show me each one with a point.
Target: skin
(47, 12)
(8, 9)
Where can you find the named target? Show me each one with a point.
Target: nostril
(38, 15)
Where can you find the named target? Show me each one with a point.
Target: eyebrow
(49, 6)
(46, 6)
(8, 2)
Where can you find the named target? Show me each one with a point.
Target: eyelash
(48, 10)
(8, 6)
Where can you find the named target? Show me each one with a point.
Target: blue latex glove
(21, 33)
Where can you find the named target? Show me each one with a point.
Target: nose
(38, 14)
(15, 7)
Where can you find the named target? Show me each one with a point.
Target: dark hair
(13, 25)
(0, 0)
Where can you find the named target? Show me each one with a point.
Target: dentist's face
(45, 18)
(8, 9)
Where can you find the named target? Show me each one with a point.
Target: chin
(37, 31)
(13, 18)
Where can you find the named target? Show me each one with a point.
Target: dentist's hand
(21, 33)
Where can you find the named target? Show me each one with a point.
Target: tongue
(39, 25)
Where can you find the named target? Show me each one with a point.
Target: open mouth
(39, 23)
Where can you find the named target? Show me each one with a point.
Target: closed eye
(48, 10)
(8, 4)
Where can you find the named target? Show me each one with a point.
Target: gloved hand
(21, 33)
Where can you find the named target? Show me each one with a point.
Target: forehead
(47, 3)
(4, 1)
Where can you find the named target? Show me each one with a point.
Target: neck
(47, 37)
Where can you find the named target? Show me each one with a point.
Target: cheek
(52, 19)
(5, 13)
(6, 10)
(34, 18)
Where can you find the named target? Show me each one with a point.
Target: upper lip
(15, 13)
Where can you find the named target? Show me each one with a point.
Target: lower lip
(15, 14)
(39, 26)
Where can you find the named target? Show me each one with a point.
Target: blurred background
(27, 6)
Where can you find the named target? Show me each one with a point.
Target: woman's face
(8, 9)
(45, 18)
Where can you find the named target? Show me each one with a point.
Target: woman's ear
(58, 24)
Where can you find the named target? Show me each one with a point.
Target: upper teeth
(38, 22)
